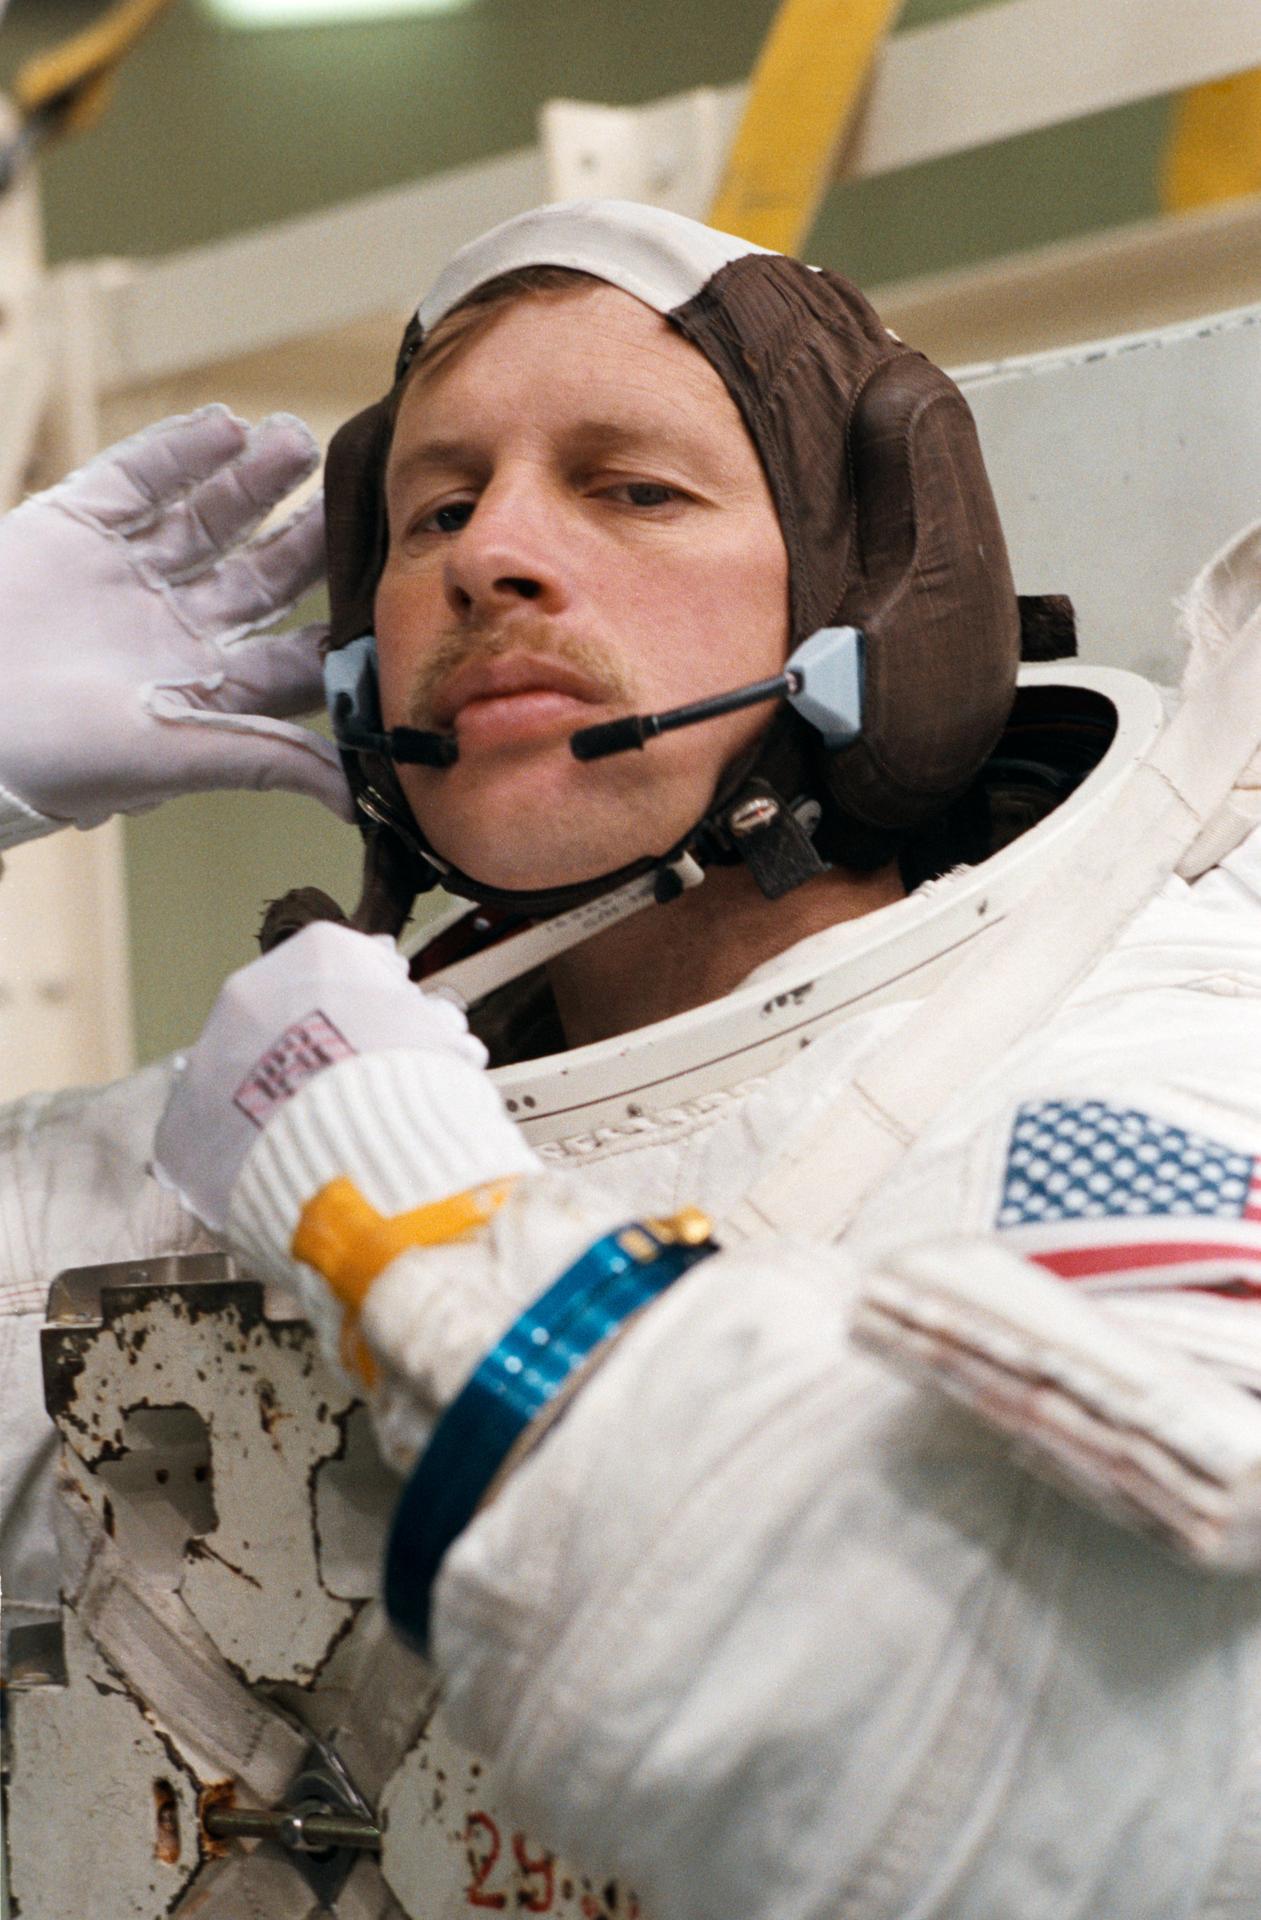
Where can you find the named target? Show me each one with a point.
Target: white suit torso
(812, 1587)
(760, 1628)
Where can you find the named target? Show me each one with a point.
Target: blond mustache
(522, 634)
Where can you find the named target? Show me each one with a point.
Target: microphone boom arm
(823, 681)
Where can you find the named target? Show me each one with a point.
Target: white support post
(24, 370)
(669, 153)
(65, 975)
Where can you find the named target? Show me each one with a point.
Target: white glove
(323, 1061)
(127, 597)
(325, 996)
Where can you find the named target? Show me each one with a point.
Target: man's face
(579, 528)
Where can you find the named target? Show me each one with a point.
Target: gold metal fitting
(689, 1227)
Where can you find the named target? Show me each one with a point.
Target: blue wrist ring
(510, 1388)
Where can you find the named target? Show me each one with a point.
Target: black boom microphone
(823, 681)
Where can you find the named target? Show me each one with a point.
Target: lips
(513, 677)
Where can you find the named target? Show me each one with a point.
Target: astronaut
(736, 1612)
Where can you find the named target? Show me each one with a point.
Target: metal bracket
(323, 1826)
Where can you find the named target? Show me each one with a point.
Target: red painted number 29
(537, 1871)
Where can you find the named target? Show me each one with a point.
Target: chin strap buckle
(772, 842)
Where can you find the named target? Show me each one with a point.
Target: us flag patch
(1111, 1196)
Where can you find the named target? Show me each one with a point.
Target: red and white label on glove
(305, 1048)
(320, 999)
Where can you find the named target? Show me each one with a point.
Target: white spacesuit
(757, 1625)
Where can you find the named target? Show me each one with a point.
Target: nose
(509, 552)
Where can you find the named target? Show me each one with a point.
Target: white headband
(663, 259)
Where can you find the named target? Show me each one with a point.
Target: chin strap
(750, 823)
(384, 906)
(772, 838)
(468, 981)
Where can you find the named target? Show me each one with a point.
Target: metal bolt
(300, 1831)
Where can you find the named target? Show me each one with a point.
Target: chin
(526, 869)
(529, 855)
(530, 835)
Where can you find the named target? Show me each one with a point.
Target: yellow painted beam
(808, 80)
(1214, 150)
(74, 80)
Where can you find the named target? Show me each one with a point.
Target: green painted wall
(213, 131)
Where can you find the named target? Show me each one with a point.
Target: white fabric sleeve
(434, 1314)
(761, 1630)
(409, 1127)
